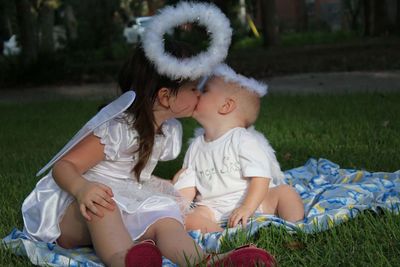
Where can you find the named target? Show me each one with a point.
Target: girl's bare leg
(108, 234)
(111, 239)
(285, 202)
(202, 218)
(174, 242)
(74, 230)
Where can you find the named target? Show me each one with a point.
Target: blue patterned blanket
(331, 195)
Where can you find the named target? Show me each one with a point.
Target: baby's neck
(212, 133)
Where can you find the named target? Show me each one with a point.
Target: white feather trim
(276, 172)
(250, 84)
(205, 14)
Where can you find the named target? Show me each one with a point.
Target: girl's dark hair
(140, 75)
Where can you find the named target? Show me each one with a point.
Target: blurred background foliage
(73, 41)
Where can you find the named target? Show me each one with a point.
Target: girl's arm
(67, 173)
(256, 192)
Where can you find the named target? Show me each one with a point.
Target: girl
(101, 192)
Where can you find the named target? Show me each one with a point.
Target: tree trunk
(228, 7)
(367, 17)
(109, 30)
(4, 32)
(27, 31)
(398, 16)
(269, 22)
(353, 8)
(303, 16)
(151, 7)
(242, 12)
(71, 23)
(378, 17)
(46, 22)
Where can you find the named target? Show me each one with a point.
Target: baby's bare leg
(202, 218)
(188, 193)
(285, 202)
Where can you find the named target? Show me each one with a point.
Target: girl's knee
(162, 226)
(169, 222)
(107, 214)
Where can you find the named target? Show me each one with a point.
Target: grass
(356, 131)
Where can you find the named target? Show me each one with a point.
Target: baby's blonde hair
(248, 105)
(247, 102)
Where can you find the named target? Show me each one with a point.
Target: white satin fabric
(141, 204)
(112, 110)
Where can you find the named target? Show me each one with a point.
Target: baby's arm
(256, 192)
(185, 184)
(67, 173)
(188, 193)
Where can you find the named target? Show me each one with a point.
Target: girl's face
(185, 101)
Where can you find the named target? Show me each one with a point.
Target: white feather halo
(230, 75)
(205, 14)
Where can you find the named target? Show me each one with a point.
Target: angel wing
(110, 111)
(276, 171)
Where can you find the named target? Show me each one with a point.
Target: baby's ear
(163, 96)
(228, 106)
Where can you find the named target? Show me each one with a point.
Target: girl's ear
(228, 106)
(163, 97)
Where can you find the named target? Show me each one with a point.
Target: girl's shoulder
(118, 129)
(171, 127)
(172, 123)
(123, 122)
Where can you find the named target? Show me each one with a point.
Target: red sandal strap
(207, 260)
(150, 241)
(251, 245)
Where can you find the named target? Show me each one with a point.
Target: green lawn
(356, 131)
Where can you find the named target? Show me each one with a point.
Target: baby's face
(211, 99)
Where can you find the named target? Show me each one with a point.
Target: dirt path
(54, 92)
(316, 83)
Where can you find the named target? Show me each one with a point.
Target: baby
(230, 171)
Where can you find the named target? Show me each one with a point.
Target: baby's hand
(94, 193)
(176, 176)
(241, 213)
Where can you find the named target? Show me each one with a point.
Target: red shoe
(144, 254)
(245, 256)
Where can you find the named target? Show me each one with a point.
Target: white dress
(141, 204)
